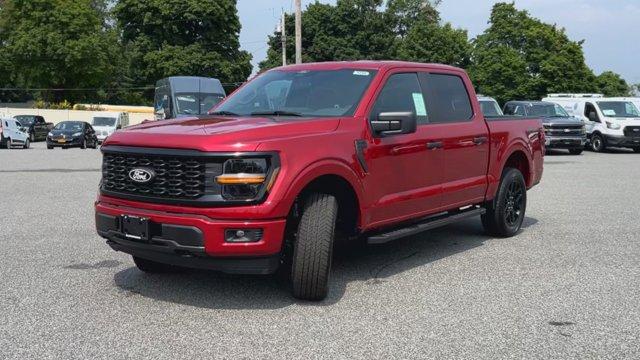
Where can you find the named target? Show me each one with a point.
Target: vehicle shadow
(367, 265)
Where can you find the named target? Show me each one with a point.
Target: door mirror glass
(593, 116)
(394, 123)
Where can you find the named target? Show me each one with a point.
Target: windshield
(547, 110)
(624, 109)
(25, 120)
(490, 108)
(104, 121)
(322, 93)
(196, 103)
(69, 126)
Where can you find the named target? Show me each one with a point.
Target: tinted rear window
(447, 98)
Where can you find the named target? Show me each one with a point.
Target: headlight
(50, 134)
(246, 179)
(77, 134)
(613, 126)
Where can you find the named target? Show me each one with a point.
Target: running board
(428, 224)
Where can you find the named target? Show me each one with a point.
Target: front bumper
(622, 141)
(195, 241)
(68, 142)
(561, 142)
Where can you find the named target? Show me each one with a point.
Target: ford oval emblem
(141, 176)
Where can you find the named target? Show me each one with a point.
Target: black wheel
(27, 144)
(95, 144)
(150, 266)
(32, 137)
(636, 150)
(597, 143)
(84, 144)
(575, 151)
(313, 247)
(49, 147)
(8, 144)
(505, 213)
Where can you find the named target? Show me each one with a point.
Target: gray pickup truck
(562, 131)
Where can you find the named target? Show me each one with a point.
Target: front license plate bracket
(135, 228)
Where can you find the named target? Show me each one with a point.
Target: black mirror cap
(394, 123)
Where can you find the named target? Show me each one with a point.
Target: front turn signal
(241, 179)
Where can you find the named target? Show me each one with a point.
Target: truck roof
(363, 64)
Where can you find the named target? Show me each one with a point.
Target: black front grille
(175, 177)
(632, 131)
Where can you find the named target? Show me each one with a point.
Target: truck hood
(219, 133)
(559, 121)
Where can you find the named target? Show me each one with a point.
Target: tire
(575, 151)
(84, 144)
(598, 143)
(27, 144)
(8, 144)
(506, 212)
(313, 248)
(49, 147)
(152, 267)
(32, 137)
(636, 150)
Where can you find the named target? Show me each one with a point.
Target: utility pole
(298, 31)
(283, 39)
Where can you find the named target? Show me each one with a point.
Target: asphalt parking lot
(568, 286)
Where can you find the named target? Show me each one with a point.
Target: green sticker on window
(418, 103)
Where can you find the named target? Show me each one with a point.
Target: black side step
(428, 224)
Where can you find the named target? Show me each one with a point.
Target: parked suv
(306, 155)
(36, 127)
(12, 134)
(562, 130)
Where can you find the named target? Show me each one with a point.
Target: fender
(321, 168)
(501, 158)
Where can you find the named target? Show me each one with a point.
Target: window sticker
(609, 112)
(361, 73)
(418, 103)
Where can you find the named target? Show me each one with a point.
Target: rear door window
(447, 98)
(402, 93)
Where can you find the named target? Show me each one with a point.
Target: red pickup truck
(306, 155)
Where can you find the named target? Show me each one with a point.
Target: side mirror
(119, 126)
(394, 123)
(593, 116)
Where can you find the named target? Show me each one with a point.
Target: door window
(402, 93)
(589, 108)
(447, 98)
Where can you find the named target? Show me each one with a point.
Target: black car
(562, 131)
(36, 127)
(68, 134)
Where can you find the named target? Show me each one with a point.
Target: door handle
(480, 140)
(432, 145)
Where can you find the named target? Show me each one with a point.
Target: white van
(106, 123)
(12, 134)
(609, 122)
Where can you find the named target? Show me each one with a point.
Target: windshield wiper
(224, 113)
(275, 113)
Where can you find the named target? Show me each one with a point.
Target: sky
(610, 28)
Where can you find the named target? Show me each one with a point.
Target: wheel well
(348, 207)
(518, 160)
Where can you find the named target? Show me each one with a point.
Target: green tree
(612, 84)
(182, 37)
(56, 44)
(349, 30)
(432, 42)
(537, 58)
